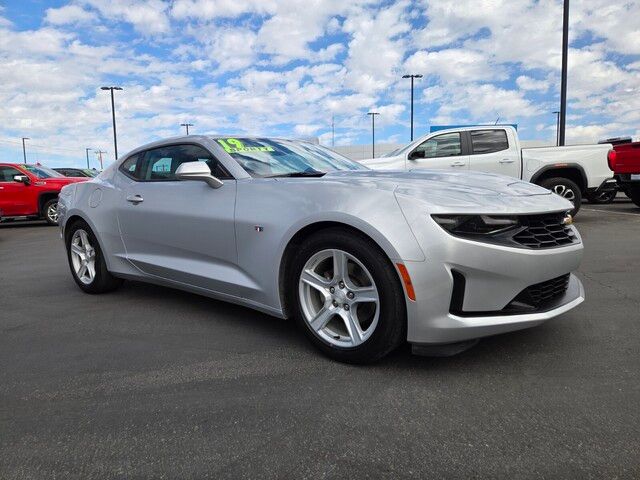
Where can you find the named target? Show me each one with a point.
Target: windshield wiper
(311, 173)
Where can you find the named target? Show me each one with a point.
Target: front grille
(535, 298)
(544, 231)
(543, 293)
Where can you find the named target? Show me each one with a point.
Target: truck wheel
(50, 211)
(566, 189)
(634, 194)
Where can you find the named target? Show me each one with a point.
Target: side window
(7, 173)
(160, 164)
(488, 141)
(445, 145)
(130, 165)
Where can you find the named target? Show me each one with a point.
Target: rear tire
(86, 260)
(50, 211)
(356, 314)
(565, 188)
(634, 194)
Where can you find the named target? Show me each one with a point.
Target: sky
(288, 67)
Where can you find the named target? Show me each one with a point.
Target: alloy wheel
(52, 212)
(339, 298)
(565, 191)
(83, 257)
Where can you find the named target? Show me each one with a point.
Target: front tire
(50, 211)
(86, 260)
(565, 188)
(347, 297)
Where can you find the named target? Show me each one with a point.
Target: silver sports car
(363, 260)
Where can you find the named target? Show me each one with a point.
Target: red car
(31, 191)
(624, 161)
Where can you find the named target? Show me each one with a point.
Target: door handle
(458, 164)
(135, 199)
(507, 160)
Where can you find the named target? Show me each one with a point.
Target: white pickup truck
(573, 172)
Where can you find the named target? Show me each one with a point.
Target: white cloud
(146, 16)
(454, 64)
(528, 83)
(68, 14)
(210, 9)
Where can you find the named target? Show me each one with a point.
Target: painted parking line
(611, 211)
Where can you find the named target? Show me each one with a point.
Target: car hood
(464, 190)
(62, 181)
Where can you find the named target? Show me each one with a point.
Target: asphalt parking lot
(152, 382)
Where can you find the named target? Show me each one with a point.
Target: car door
(181, 231)
(443, 151)
(14, 196)
(491, 152)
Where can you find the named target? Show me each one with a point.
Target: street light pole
(333, 130)
(186, 125)
(563, 80)
(412, 77)
(373, 133)
(24, 150)
(99, 153)
(557, 113)
(113, 117)
(87, 152)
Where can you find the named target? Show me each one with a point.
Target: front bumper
(494, 276)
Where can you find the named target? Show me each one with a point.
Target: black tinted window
(488, 141)
(7, 173)
(130, 166)
(445, 145)
(161, 163)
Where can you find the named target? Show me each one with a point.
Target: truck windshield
(264, 157)
(42, 172)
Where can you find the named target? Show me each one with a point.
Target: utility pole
(563, 80)
(373, 133)
(412, 77)
(99, 153)
(24, 150)
(333, 130)
(186, 125)
(557, 114)
(86, 150)
(113, 117)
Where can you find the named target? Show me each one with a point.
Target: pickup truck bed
(624, 161)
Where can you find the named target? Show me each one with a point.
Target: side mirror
(21, 179)
(417, 154)
(198, 171)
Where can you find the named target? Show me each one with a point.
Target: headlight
(476, 225)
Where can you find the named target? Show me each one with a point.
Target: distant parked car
(31, 191)
(77, 172)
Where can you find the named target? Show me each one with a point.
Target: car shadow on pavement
(24, 224)
(284, 334)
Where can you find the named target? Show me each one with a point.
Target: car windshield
(42, 172)
(90, 173)
(263, 157)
